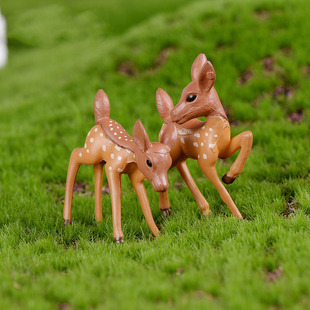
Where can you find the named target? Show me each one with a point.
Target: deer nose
(161, 185)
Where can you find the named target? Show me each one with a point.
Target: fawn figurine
(108, 144)
(204, 141)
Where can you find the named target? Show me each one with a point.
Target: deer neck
(214, 105)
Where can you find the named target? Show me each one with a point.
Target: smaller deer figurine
(204, 141)
(108, 144)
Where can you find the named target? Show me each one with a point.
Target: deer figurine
(108, 144)
(204, 141)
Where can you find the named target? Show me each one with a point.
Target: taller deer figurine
(108, 144)
(204, 141)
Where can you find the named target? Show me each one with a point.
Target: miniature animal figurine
(204, 141)
(108, 144)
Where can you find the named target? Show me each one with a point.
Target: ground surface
(60, 54)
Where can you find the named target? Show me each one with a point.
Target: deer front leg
(208, 168)
(98, 172)
(164, 204)
(244, 141)
(201, 201)
(114, 180)
(136, 179)
(73, 168)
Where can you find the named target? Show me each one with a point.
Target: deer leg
(73, 168)
(136, 179)
(164, 204)
(210, 172)
(201, 201)
(98, 172)
(114, 180)
(242, 141)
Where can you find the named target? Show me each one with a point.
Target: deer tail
(101, 106)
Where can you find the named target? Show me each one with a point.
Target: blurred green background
(60, 54)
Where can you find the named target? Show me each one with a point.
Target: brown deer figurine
(108, 144)
(204, 141)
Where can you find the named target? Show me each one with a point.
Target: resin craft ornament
(108, 144)
(3, 44)
(204, 141)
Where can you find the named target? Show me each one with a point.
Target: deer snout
(160, 185)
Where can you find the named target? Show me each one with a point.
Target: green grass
(60, 54)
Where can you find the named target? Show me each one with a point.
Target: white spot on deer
(111, 128)
(206, 134)
(119, 170)
(101, 134)
(195, 144)
(110, 168)
(201, 144)
(215, 136)
(117, 148)
(112, 155)
(210, 129)
(117, 127)
(128, 151)
(119, 157)
(96, 129)
(197, 135)
(203, 127)
(126, 139)
(110, 121)
(80, 154)
(104, 148)
(87, 151)
(204, 156)
(85, 145)
(110, 125)
(211, 146)
(182, 140)
(120, 132)
(198, 156)
(115, 133)
(91, 140)
(119, 138)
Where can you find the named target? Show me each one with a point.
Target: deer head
(199, 97)
(153, 158)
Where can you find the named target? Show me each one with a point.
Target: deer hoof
(227, 179)
(67, 222)
(165, 212)
(207, 212)
(119, 239)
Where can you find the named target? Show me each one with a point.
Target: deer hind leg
(73, 168)
(201, 201)
(114, 180)
(98, 172)
(210, 172)
(136, 179)
(244, 142)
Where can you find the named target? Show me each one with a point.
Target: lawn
(61, 53)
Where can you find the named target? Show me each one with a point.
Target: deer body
(108, 144)
(203, 141)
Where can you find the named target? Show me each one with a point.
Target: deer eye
(191, 98)
(148, 162)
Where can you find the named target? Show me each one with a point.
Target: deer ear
(197, 65)
(101, 105)
(140, 136)
(164, 105)
(169, 135)
(206, 77)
